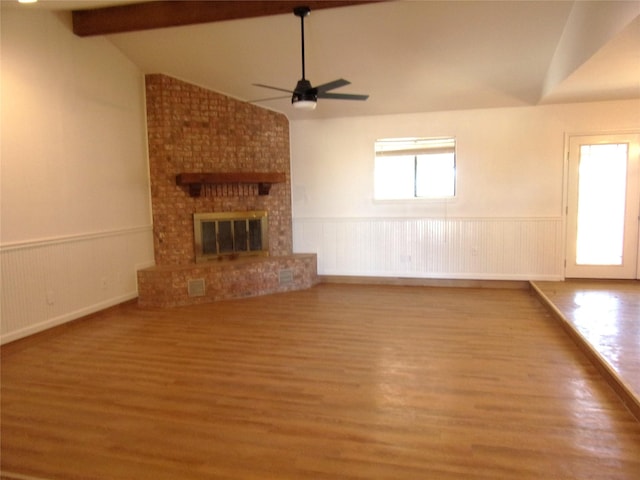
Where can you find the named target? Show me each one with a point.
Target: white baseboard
(67, 317)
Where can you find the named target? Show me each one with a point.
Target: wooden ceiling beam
(163, 14)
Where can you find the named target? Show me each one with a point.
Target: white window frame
(407, 152)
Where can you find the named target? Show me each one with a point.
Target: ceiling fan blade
(272, 88)
(343, 96)
(325, 87)
(268, 98)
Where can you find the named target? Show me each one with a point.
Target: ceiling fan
(305, 96)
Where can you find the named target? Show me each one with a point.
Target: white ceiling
(409, 56)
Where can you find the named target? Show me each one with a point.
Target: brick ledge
(167, 285)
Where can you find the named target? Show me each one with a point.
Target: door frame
(565, 194)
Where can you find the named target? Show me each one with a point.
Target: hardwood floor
(339, 381)
(603, 316)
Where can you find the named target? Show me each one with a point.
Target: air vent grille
(195, 287)
(285, 277)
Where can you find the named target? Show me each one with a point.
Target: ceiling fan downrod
(302, 12)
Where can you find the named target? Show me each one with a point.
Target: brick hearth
(195, 130)
(167, 286)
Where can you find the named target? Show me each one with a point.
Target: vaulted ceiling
(409, 56)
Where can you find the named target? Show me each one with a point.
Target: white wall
(75, 204)
(506, 221)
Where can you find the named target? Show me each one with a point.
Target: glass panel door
(602, 189)
(225, 237)
(241, 235)
(602, 207)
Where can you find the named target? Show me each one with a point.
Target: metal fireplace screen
(230, 234)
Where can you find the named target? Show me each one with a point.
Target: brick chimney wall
(192, 129)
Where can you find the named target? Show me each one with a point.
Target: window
(408, 168)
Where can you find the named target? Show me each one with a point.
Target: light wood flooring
(603, 316)
(334, 382)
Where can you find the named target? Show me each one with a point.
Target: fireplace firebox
(230, 235)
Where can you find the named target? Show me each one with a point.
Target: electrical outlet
(51, 297)
(104, 283)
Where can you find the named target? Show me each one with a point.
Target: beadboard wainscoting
(464, 248)
(49, 282)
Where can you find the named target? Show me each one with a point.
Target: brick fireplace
(229, 150)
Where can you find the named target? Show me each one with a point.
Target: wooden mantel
(263, 179)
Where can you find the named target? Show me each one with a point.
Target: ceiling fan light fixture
(304, 101)
(305, 105)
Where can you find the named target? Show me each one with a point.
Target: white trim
(43, 242)
(67, 317)
(451, 276)
(447, 218)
